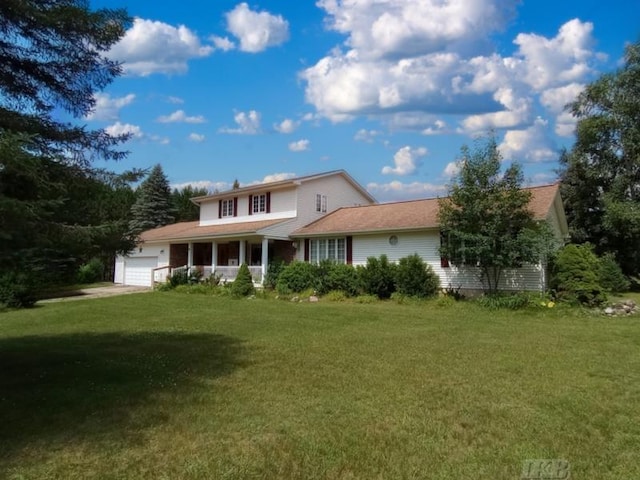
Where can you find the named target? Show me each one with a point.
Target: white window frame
(321, 203)
(259, 203)
(227, 207)
(334, 249)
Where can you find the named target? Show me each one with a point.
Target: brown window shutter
(349, 250)
(268, 202)
(219, 208)
(306, 249)
(250, 204)
(444, 262)
(235, 206)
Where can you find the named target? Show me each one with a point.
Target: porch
(225, 257)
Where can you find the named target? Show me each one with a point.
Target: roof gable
(291, 182)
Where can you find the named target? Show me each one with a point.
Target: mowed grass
(176, 386)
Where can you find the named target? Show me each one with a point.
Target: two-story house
(312, 218)
(246, 225)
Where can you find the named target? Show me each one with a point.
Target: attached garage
(139, 270)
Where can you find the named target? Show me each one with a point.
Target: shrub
(378, 277)
(336, 276)
(511, 301)
(273, 273)
(90, 272)
(335, 296)
(242, 286)
(17, 290)
(197, 288)
(576, 275)
(366, 299)
(296, 277)
(416, 278)
(610, 274)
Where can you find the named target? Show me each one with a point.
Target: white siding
(340, 193)
(426, 245)
(282, 205)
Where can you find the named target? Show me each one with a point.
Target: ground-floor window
(328, 249)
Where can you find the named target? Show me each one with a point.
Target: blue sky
(388, 90)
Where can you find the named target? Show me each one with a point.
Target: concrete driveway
(98, 292)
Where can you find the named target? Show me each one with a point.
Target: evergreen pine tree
(153, 207)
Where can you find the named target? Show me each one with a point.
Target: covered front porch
(224, 256)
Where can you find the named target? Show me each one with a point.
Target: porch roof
(409, 215)
(193, 230)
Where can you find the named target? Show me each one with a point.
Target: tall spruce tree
(601, 174)
(153, 207)
(485, 221)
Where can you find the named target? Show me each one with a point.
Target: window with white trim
(328, 249)
(321, 203)
(226, 209)
(259, 203)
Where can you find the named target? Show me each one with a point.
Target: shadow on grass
(79, 387)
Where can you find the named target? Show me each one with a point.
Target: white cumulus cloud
(107, 107)
(155, 47)
(533, 144)
(196, 137)
(118, 129)
(286, 126)
(222, 43)
(406, 161)
(396, 190)
(248, 123)
(256, 31)
(451, 170)
(364, 135)
(299, 145)
(180, 117)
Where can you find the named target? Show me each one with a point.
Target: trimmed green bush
(415, 278)
(611, 277)
(336, 276)
(242, 286)
(296, 277)
(90, 272)
(377, 277)
(576, 277)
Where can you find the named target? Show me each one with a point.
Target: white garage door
(138, 271)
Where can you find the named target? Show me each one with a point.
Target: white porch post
(265, 258)
(214, 256)
(189, 256)
(242, 252)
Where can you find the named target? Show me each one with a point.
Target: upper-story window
(227, 207)
(321, 203)
(259, 203)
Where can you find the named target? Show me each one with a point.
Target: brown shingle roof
(410, 215)
(186, 230)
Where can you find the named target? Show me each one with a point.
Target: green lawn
(176, 386)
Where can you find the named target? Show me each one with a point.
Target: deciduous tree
(485, 221)
(601, 174)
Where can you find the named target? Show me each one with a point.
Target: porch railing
(227, 274)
